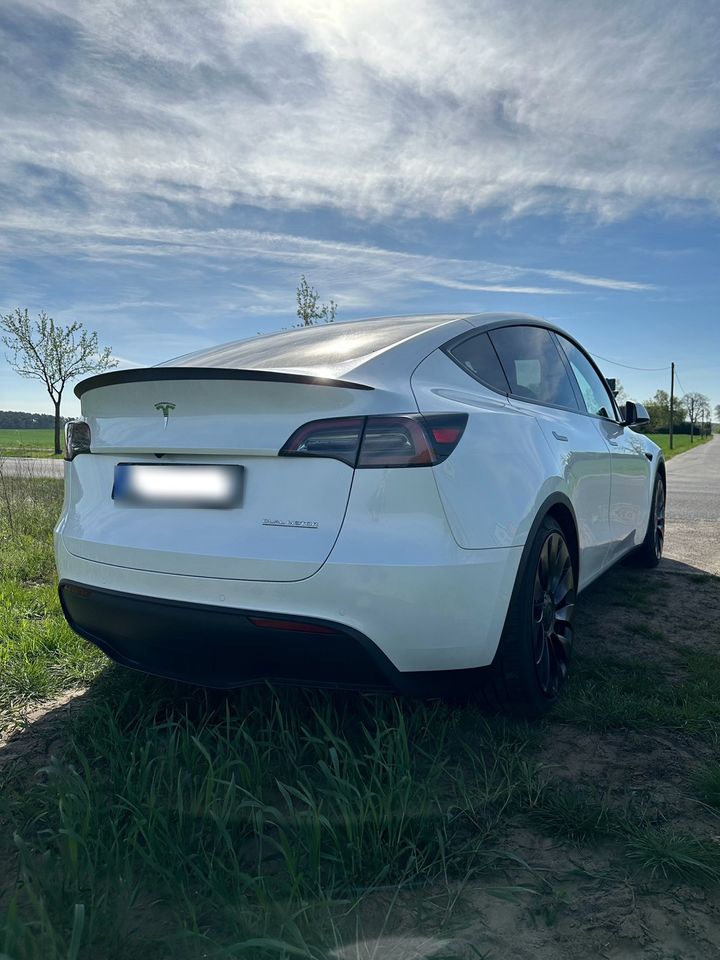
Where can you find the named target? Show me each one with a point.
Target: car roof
(333, 350)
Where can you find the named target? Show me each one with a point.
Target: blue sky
(168, 170)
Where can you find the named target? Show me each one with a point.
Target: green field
(681, 443)
(155, 821)
(27, 443)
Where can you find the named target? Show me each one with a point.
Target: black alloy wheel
(553, 613)
(649, 553)
(659, 518)
(533, 657)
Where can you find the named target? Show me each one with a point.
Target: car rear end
(221, 527)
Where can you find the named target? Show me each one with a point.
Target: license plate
(178, 485)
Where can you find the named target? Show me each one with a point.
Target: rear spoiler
(144, 374)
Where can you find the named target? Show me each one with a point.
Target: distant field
(27, 443)
(681, 443)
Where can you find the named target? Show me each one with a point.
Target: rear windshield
(324, 344)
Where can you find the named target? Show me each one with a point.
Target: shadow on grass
(152, 819)
(285, 815)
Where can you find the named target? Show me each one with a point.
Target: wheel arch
(508, 683)
(559, 507)
(660, 471)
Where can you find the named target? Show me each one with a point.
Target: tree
(44, 350)
(706, 425)
(618, 391)
(309, 309)
(695, 403)
(717, 412)
(658, 408)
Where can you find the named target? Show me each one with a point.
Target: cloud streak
(369, 269)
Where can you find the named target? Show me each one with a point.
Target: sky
(168, 170)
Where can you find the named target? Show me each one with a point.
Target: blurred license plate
(178, 484)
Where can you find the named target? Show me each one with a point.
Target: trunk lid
(291, 509)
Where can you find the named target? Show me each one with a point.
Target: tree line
(691, 414)
(19, 420)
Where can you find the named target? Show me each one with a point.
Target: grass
(39, 655)
(262, 819)
(578, 814)
(27, 443)
(167, 822)
(616, 693)
(681, 443)
(707, 785)
(669, 854)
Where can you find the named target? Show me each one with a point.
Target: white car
(412, 502)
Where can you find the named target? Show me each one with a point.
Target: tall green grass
(161, 821)
(266, 819)
(39, 655)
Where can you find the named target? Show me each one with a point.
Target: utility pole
(672, 400)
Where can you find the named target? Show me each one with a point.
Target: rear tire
(648, 554)
(531, 665)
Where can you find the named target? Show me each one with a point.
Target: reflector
(298, 626)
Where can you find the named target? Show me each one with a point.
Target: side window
(533, 365)
(477, 356)
(597, 399)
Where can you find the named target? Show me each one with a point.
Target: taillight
(77, 438)
(395, 442)
(404, 441)
(338, 439)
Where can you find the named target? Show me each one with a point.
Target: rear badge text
(305, 524)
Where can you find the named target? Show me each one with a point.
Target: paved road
(692, 532)
(32, 467)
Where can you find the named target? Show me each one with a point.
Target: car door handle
(559, 436)
(613, 443)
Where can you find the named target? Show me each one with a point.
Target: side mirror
(635, 415)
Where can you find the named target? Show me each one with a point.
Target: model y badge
(165, 409)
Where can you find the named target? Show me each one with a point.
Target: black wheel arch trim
(554, 500)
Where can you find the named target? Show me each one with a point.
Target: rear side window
(477, 356)
(533, 365)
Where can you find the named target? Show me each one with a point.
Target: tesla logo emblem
(165, 409)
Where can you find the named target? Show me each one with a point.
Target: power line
(679, 382)
(627, 365)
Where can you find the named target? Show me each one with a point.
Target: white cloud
(489, 287)
(377, 108)
(605, 282)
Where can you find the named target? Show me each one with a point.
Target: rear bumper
(218, 647)
(404, 618)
